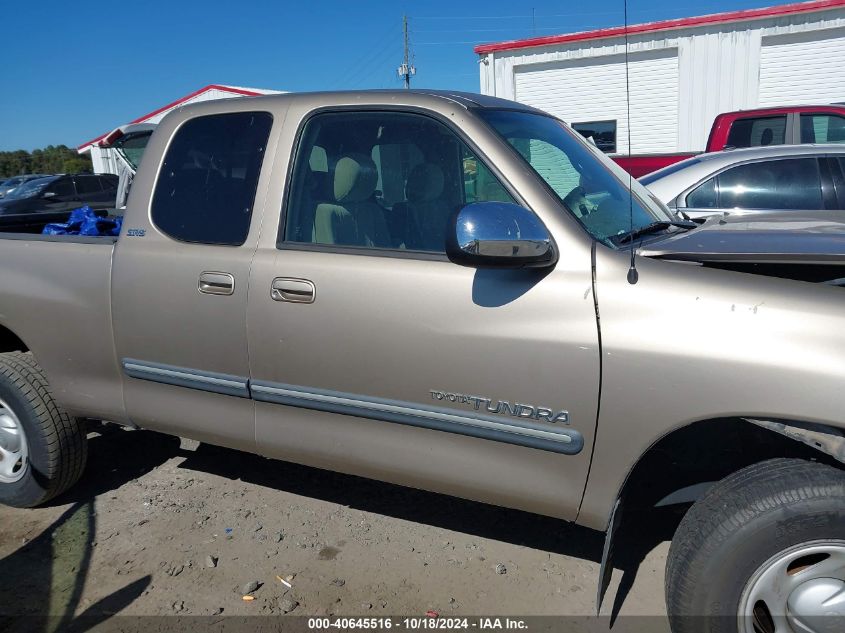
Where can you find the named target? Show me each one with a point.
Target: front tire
(762, 552)
(42, 449)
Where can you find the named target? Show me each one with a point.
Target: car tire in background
(762, 551)
(42, 449)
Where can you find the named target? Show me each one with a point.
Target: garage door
(593, 89)
(803, 68)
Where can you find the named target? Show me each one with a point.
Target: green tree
(52, 159)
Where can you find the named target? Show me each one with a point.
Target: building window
(602, 133)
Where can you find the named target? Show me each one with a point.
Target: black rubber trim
(554, 438)
(225, 384)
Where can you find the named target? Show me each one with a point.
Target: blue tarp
(85, 221)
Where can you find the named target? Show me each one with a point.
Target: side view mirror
(48, 194)
(499, 235)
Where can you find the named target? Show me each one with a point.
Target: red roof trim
(665, 25)
(195, 93)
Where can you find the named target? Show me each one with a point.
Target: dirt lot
(160, 526)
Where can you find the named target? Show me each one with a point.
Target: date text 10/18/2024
(417, 623)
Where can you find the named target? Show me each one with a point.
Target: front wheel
(42, 449)
(762, 552)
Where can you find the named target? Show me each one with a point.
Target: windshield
(132, 147)
(590, 185)
(29, 189)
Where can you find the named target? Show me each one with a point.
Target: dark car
(50, 199)
(9, 184)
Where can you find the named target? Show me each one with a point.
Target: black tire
(56, 443)
(741, 523)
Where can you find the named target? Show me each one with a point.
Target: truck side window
(760, 131)
(822, 128)
(206, 185)
(383, 180)
(792, 183)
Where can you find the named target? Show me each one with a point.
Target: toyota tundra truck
(460, 294)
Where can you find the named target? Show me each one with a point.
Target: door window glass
(108, 182)
(704, 196)
(206, 185)
(63, 187)
(86, 185)
(385, 180)
(759, 131)
(822, 128)
(773, 184)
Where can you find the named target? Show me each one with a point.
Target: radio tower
(406, 70)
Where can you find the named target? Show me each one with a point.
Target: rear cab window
(207, 181)
(757, 132)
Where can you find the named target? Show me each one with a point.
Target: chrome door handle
(216, 283)
(293, 290)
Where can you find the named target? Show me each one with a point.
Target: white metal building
(105, 160)
(682, 73)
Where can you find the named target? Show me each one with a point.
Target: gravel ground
(162, 526)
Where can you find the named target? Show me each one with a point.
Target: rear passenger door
(372, 354)
(181, 275)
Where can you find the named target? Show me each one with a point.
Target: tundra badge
(518, 410)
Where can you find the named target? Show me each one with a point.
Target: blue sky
(74, 70)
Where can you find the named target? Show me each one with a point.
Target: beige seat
(354, 219)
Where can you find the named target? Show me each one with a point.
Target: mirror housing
(499, 235)
(48, 194)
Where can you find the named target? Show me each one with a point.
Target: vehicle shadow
(117, 456)
(41, 584)
(642, 528)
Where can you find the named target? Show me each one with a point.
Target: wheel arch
(711, 449)
(680, 466)
(10, 341)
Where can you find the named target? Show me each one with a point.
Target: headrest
(425, 183)
(355, 178)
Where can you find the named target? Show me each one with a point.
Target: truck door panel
(405, 367)
(181, 279)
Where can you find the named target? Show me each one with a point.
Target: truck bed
(56, 293)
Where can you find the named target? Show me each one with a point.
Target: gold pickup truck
(460, 294)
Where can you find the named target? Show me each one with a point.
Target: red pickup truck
(790, 125)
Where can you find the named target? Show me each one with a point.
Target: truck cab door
(372, 354)
(180, 277)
